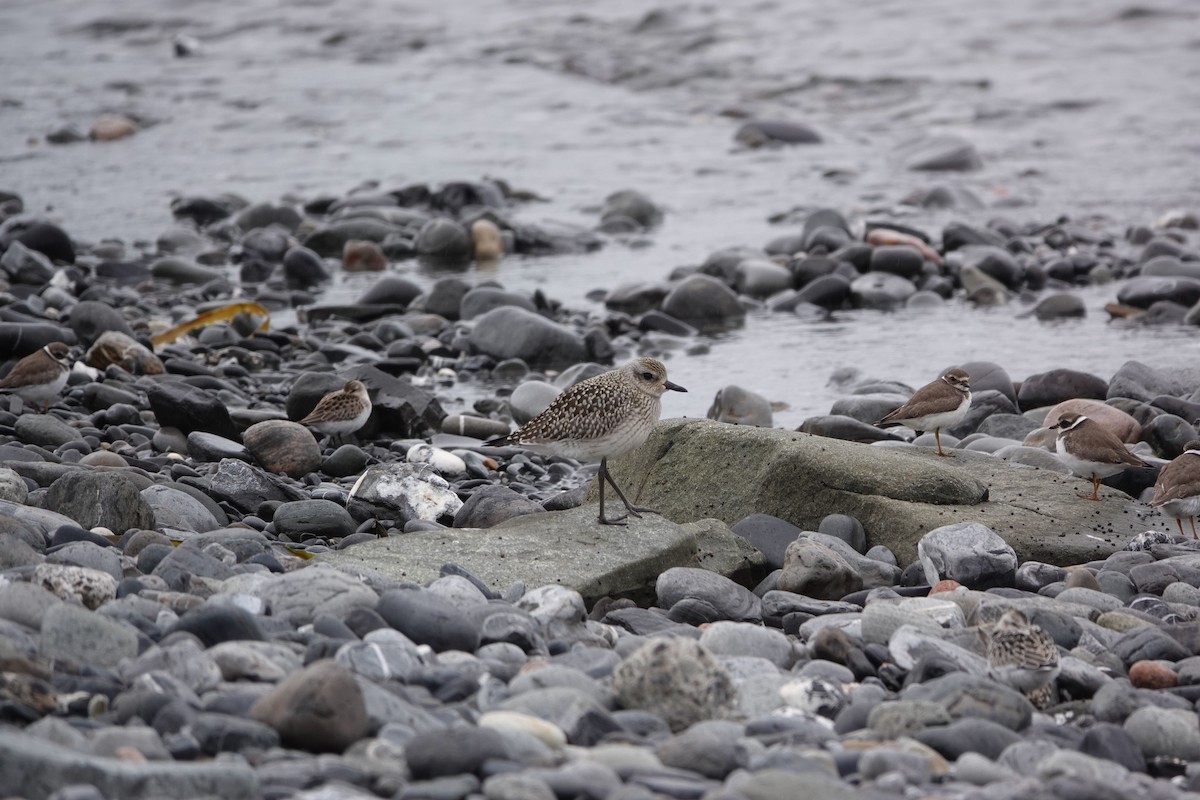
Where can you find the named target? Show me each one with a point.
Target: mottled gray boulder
(511, 332)
(897, 495)
(303, 595)
(92, 499)
(677, 679)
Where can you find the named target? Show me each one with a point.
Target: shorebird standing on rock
(1177, 490)
(936, 405)
(1091, 450)
(1022, 655)
(341, 412)
(40, 376)
(604, 416)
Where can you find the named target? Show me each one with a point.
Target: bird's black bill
(674, 387)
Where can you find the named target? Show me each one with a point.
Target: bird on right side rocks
(1091, 451)
(1177, 490)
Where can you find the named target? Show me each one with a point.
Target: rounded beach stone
(810, 568)
(705, 302)
(428, 618)
(301, 519)
(511, 332)
(1173, 733)
(748, 639)
(283, 447)
(107, 499)
(303, 268)
(319, 709)
(1118, 422)
(490, 505)
(1147, 674)
(740, 406)
(453, 751)
(968, 552)
(389, 290)
(706, 596)
(759, 132)
(677, 679)
(710, 748)
(444, 240)
(482, 299)
(1057, 385)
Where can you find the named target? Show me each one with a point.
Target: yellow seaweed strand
(221, 314)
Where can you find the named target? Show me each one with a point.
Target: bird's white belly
(1084, 468)
(42, 392)
(626, 436)
(940, 420)
(1184, 508)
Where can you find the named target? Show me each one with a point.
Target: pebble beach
(226, 217)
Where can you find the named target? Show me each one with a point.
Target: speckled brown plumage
(342, 411)
(606, 415)
(1024, 656)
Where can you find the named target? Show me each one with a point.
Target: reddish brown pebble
(363, 256)
(1152, 675)
(946, 585)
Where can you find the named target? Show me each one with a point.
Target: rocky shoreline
(198, 598)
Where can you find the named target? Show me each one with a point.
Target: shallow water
(1086, 109)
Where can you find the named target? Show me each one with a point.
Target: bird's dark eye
(649, 376)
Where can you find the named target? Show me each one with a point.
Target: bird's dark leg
(630, 507)
(1179, 524)
(602, 476)
(1193, 521)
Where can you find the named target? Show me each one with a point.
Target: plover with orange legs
(940, 404)
(600, 418)
(1177, 490)
(341, 412)
(1091, 450)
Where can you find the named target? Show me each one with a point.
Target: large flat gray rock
(36, 768)
(568, 548)
(693, 469)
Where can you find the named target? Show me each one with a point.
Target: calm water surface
(1086, 108)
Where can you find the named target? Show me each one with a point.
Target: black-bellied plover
(1022, 655)
(1177, 490)
(341, 412)
(604, 416)
(1091, 451)
(936, 405)
(40, 376)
